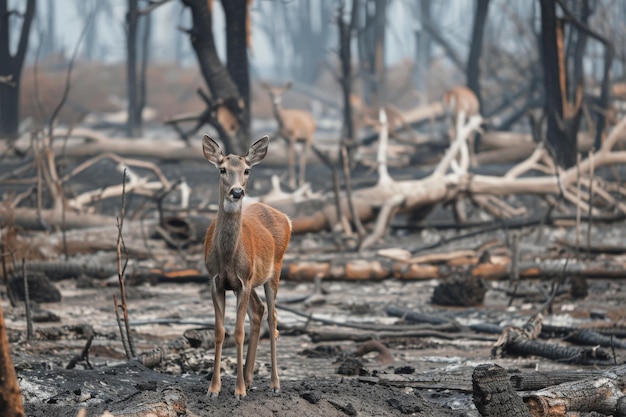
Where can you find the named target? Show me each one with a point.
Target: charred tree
(372, 51)
(237, 27)
(473, 61)
(421, 10)
(11, 66)
(225, 107)
(346, 29)
(561, 130)
(137, 46)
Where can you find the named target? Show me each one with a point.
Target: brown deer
(461, 100)
(364, 116)
(243, 250)
(294, 126)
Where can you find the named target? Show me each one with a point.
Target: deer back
(460, 99)
(299, 124)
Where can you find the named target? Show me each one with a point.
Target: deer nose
(237, 193)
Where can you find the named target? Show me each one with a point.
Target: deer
(295, 126)
(244, 249)
(459, 102)
(364, 116)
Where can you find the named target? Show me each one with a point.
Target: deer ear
(257, 151)
(212, 150)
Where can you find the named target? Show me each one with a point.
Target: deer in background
(244, 249)
(364, 116)
(294, 126)
(461, 102)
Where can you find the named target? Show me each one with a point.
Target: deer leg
(292, 163)
(303, 156)
(243, 297)
(256, 309)
(219, 302)
(271, 288)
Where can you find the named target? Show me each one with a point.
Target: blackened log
(460, 291)
(563, 354)
(530, 381)
(595, 394)
(40, 289)
(493, 394)
(416, 317)
(587, 337)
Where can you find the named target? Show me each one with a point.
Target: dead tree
(226, 109)
(371, 48)
(473, 61)
(11, 65)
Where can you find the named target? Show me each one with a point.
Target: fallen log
(531, 381)
(588, 337)
(600, 394)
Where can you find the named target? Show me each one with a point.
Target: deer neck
(278, 114)
(227, 230)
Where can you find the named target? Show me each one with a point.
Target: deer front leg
(219, 302)
(271, 289)
(243, 296)
(255, 314)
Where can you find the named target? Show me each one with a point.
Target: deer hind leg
(243, 297)
(256, 309)
(292, 162)
(303, 155)
(271, 288)
(219, 302)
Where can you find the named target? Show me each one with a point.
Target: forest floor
(428, 375)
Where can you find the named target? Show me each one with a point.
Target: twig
(119, 324)
(120, 270)
(29, 315)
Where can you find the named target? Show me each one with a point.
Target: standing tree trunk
(473, 60)
(421, 11)
(346, 29)
(225, 107)
(372, 51)
(11, 68)
(133, 123)
(236, 12)
(564, 145)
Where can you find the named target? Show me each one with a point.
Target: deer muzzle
(237, 193)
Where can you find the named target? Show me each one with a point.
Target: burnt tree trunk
(473, 60)
(226, 106)
(11, 67)
(133, 124)
(346, 30)
(146, 29)
(421, 10)
(237, 54)
(563, 144)
(493, 394)
(372, 51)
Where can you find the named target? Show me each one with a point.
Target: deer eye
(246, 171)
(222, 171)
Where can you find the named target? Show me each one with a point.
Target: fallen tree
(452, 181)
